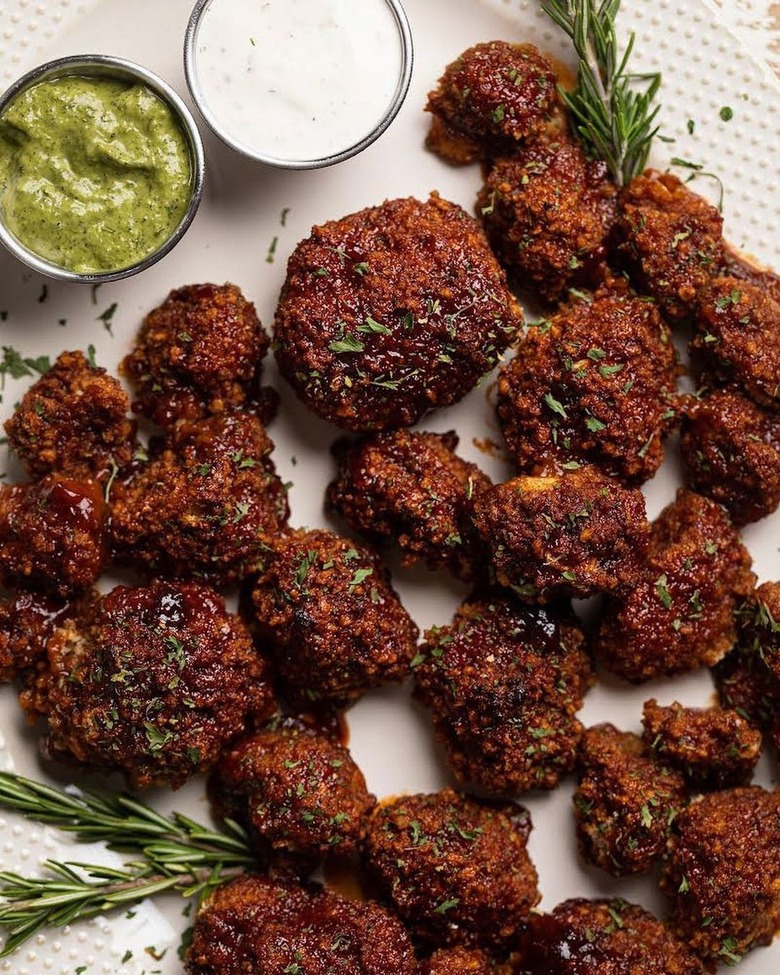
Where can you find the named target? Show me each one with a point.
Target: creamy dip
(297, 80)
(94, 172)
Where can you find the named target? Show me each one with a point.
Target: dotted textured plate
(705, 68)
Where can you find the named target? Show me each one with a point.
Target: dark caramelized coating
(723, 873)
(671, 239)
(199, 507)
(456, 870)
(52, 534)
(730, 449)
(257, 926)
(738, 338)
(713, 748)
(504, 683)
(392, 312)
(73, 420)
(301, 793)
(745, 268)
(153, 682)
(333, 621)
(572, 534)
(625, 803)
(493, 96)
(680, 615)
(464, 961)
(594, 384)
(412, 488)
(27, 620)
(547, 212)
(199, 352)
(748, 678)
(605, 937)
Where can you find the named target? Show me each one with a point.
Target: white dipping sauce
(298, 80)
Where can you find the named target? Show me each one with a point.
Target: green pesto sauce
(94, 172)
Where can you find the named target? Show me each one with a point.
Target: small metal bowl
(104, 66)
(213, 122)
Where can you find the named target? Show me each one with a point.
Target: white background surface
(704, 67)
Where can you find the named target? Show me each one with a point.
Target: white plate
(704, 67)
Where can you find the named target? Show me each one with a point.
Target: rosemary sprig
(172, 853)
(613, 119)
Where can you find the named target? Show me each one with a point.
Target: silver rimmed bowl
(104, 66)
(237, 140)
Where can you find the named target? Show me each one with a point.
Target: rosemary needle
(170, 853)
(612, 110)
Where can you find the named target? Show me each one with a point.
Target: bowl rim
(393, 108)
(106, 65)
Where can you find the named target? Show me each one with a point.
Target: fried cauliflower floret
(334, 624)
(52, 534)
(412, 488)
(571, 535)
(723, 873)
(744, 268)
(270, 927)
(489, 99)
(392, 312)
(593, 384)
(680, 614)
(153, 682)
(605, 937)
(503, 684)
(547, 212)
(748, 678)
(73, 420)
(456, 870)
(714, 748)
(465, 961)
(27, 620)
(737, 339)
(625, 801)
(670, 239)
(730, 450)
(202, 503)
(301, 794)
(199, 352)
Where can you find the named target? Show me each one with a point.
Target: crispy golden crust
(302, 794)
(456, 870)
(730, 449)
(199, 352)
(490, 98)
(269, 927)
(737, 338)
(625, 801)
(153, 682)
(571, 535)
(73, 420)
(605, 937)
(52, 534)
(593, 384)
(504, 683)
(723, 873)
(680, 615)
(201, 504)
(334, 623)
(27, 620)
(714, 748)
(465, 961)
(547, 212)
(411, 488)
(392, 312)
(671, 240)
